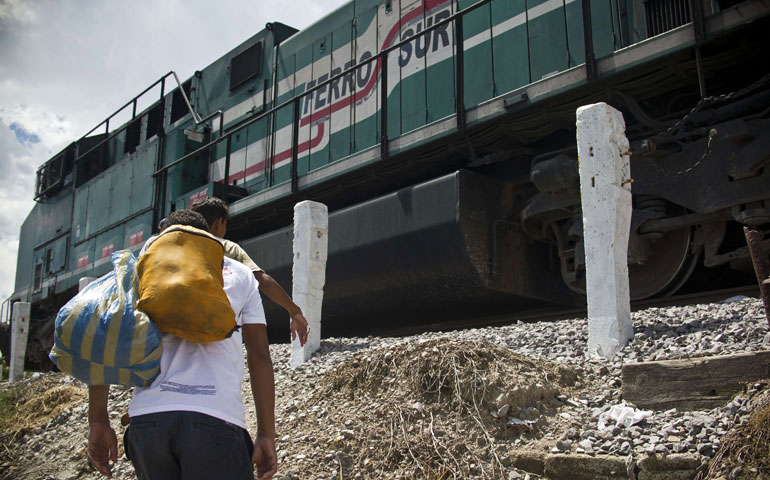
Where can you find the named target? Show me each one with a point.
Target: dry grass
(30, 404)
(745, 450)
(430, 407)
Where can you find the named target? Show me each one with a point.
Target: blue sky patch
(24, 137)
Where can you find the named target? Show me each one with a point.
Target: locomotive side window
(155, 120)
(48, 259)
(178, 107)
(246, 65)
(54, 174)
(38, 280)
(133, 135)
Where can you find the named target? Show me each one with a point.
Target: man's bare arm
(297, 321)
(263, 391)
(102, 441)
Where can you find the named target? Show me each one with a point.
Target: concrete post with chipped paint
(605, 188)
(84, 282)
(311, 228)
(19, 333)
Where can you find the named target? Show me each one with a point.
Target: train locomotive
(441, 135)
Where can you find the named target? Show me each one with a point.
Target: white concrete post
(19, 333)
(311, 226)
(84, 282)
(605, 187)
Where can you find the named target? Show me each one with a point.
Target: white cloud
(19, 161)
(16, 184)
(53, 131)
(16, 11)
(9, 249)
(66, 64)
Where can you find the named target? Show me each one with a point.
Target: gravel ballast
(319, 435)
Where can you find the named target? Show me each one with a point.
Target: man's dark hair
(211, 208)
(186, 217)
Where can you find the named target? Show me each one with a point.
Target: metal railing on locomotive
(133, 102)
(162, 81)
(381, 58)
(456, 19)
(5, 311)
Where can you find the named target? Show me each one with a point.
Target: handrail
(196, 118)
(380, 56)
(161, 80)
(5, 311)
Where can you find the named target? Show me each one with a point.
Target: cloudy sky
(65, 65)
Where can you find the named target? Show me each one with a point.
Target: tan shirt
(234, 251)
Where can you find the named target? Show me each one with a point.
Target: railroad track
(556, 313)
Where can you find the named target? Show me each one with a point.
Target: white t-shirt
(206, 378)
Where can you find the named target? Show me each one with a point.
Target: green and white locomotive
(441, 135)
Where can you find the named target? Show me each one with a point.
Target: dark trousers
(188, 446)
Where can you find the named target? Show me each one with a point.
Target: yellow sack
(181, 285)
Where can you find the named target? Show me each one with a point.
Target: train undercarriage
(511, 236)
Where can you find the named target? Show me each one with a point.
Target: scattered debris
(622, 415)
(513, 402)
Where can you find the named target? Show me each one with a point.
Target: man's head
(214, 210)
(186, 217)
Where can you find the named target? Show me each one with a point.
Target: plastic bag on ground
(622, 414)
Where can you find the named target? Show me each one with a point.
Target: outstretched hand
(265, 457)
(102, 447)
(298, 326)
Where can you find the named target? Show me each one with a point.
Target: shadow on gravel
(328, 346)
(662, 329)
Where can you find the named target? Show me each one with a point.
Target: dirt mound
(745, 451)
(435, 408)
(31, 404)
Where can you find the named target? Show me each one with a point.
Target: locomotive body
(440, 134)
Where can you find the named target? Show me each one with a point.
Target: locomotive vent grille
(723, 4)
(665, 15)
(246, 65)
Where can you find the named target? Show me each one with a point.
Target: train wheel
(668, 264)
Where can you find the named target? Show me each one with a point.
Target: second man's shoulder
(235, 267)
(235, 252)
(232, 249)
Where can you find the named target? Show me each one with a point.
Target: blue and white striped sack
(101, 338)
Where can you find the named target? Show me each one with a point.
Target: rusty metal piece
(759, 256)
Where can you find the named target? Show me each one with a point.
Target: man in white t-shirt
(189, 424)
